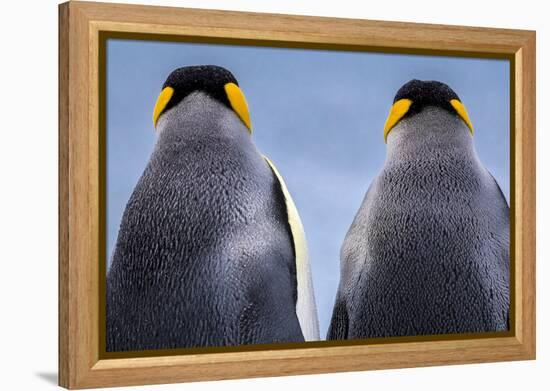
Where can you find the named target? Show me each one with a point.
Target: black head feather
(426, 93)
(209, 79)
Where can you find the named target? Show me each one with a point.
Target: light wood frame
(81, 364)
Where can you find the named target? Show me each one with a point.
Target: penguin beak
(162, 100)
(397, 111)
(238, 103)
(461, 111)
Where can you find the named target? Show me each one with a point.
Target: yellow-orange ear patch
(162, 100)
(238, 103)
(397, 111)
(461, 111)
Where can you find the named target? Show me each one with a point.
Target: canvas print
(260, 195)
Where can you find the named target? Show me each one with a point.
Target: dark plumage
(204, 255)
(426, 93)
(209, 79)
(428, 251)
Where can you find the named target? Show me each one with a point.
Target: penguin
(428, 250)
(211, 250)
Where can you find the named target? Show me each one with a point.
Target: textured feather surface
(305, 305)
(204, 254)
(428, 251)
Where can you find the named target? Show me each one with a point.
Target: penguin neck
(199, 116)
(432, 132)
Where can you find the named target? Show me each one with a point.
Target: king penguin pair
(211, 250)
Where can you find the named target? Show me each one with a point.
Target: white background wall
(28, 193)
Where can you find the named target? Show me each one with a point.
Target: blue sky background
(317, 114)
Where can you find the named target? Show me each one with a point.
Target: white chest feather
(306, 309)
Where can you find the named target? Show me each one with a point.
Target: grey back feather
(204, 255)
(428, 251)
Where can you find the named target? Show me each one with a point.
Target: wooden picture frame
(83, 28)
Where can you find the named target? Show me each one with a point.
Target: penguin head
(215, 81)
(415, 95)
